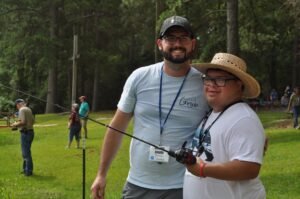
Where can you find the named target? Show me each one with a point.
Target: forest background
(38, 55)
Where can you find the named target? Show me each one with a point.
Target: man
(294, 106)
(229, 142)
(25, 124)
(84, 110)
(166, 105)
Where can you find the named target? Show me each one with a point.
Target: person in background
(288, 91)
(284, 101)
(25, 124)
(294, 106)
(230, 141)
(166, 103)
(273, 98)
(74, 125)
(84, 110)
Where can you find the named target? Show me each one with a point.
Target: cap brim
(189, 31)
(18, 101)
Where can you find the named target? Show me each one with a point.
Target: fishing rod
(183, 155)
(64, 109)
(40, 99)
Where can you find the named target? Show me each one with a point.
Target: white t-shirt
(236, 135)
(141, 96)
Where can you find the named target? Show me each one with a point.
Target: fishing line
(170, 152)
(40, 99)
(93, 120)
(183, 155)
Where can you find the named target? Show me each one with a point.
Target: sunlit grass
(58, 172)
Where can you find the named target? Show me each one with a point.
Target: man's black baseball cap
(176, 21)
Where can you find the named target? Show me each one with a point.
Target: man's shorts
(135, 192)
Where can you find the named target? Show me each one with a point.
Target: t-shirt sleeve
(128, 97)
(246, 141)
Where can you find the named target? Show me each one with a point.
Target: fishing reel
(14, 128)
(183, 155)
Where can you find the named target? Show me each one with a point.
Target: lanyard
(204, 120)
(162, 124)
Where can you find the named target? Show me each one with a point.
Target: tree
(232, 27)
(117, 36)
(294, 9)
(51, 91)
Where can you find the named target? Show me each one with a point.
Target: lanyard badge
(158, 155)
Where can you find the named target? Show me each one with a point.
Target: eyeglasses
(172, 39)
(220, 82)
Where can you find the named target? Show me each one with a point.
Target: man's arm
(110, 147)
(21, 120)
(290, 103)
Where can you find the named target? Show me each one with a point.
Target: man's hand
(98, 188)
(15, 124)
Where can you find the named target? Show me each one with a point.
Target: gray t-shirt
(25, 115)
(141, 96)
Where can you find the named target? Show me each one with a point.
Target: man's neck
(176, 70)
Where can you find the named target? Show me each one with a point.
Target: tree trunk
(273, 67)
(232, 27)
(158, 10)
(95, 89)
(51, 90)
(296, 62)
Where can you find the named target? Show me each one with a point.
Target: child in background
(74, 125)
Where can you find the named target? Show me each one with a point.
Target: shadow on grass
(41, 178)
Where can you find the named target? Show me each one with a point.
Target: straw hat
(236, 66)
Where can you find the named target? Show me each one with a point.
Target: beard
(177, 60)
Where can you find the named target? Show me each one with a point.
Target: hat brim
(251, 86)
(18, 101)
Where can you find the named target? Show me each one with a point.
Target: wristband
(202, 165)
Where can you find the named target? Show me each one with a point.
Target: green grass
(58, 172)
(281, 169)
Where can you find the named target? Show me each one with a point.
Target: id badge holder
(158, 155)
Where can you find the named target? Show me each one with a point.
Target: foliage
(118, 36)
(262, 35)
(6, 105)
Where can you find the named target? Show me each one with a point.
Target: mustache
(177, 48)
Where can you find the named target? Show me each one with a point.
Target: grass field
(58, 171)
